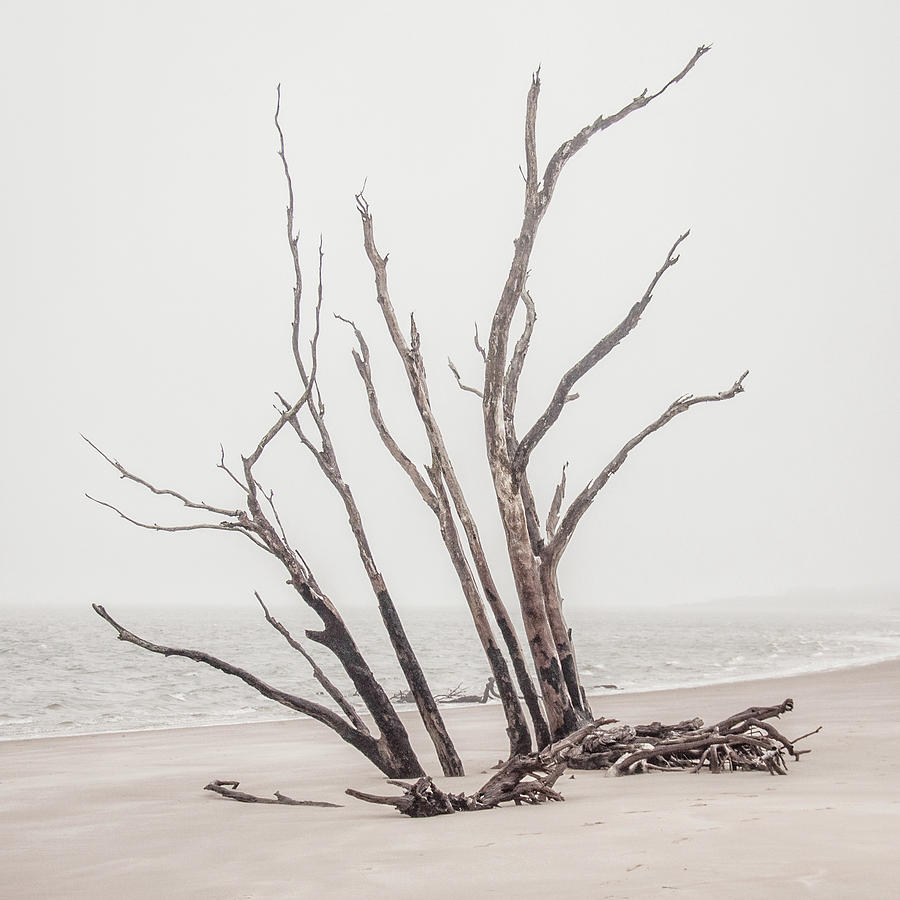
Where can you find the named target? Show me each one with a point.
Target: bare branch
(320, 453)
(537, 201)
(570, 147)
(221, 465)
(191, 504)
(309, 379)
(333, 691)
(283, 419)
(582, 502)
(459, 381)
(270, 498)
(587, 362)
(514, 369)
(363, 366)
(478, 346)
(299, 704)
(558, 495)
(236, 527)
(293, 240)
(531, 161)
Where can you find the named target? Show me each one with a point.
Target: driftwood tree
(542, 698)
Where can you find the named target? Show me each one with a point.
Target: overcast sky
(147, 284)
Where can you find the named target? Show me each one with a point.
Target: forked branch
(364, 367)
(462, 385)
(163, 492)
(537, 200)
(556, 504)
(331, 689)
(291, 701)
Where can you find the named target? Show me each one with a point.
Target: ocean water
(65, 673)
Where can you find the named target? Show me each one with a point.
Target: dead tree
(554, 700)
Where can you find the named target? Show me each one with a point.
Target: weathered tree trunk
(409, 664)
(562, 637)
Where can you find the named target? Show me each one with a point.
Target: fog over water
(148, 289)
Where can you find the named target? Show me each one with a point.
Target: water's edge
(409, 708)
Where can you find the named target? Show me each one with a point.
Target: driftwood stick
(804, 736)
(229, 789)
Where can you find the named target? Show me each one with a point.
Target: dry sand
(124, 816)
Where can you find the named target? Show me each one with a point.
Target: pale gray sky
(147, 282)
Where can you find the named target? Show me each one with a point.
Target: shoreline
(409, 708)
(123, 815)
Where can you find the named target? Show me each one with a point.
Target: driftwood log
(744, 741)
(229, 789)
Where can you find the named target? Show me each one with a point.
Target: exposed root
(744, 741)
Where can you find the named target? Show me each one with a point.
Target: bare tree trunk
(441, 474)
(451, 764)
(327, 460)
(562, 637)
(508, 468)
(561, 715)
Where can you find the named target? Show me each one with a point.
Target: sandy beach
(123, 815)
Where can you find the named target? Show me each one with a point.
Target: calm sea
(64, 674)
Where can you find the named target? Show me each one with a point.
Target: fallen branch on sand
(744, 741)
(454, 695)
(229, 789)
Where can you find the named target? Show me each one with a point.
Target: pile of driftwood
(745, 741)
(454, 695)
